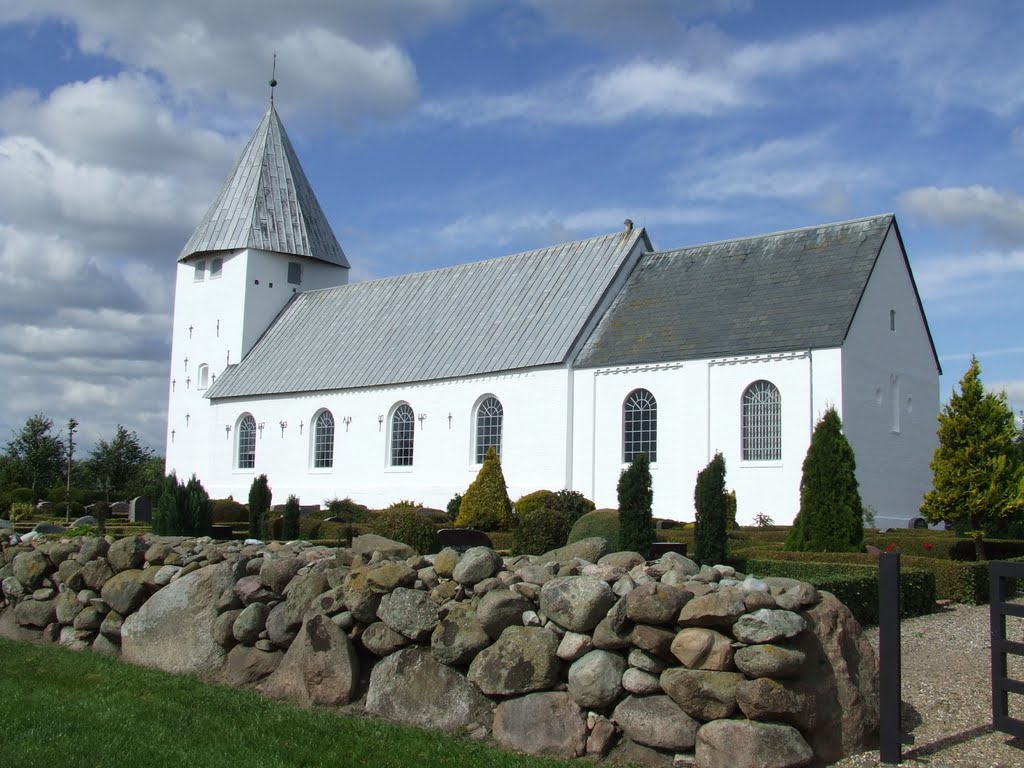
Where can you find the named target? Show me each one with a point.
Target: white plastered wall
(890, 392)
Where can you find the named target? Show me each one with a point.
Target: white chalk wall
(891, 393)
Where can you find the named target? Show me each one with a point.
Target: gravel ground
(947, 699)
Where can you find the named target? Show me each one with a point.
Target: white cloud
(966, 274)
(998, 213)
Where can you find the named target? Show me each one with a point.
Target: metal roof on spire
(267, 203)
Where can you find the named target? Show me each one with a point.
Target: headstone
(140, 510)
(461, 539)
(918, 522)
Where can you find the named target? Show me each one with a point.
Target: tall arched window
(762, 422)
(403, 433)
(489, 415)
(323, 441)
(639, 425)
(246, 442)
(203, 377)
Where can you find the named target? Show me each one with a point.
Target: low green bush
(20, 512)
(347, 510)
(226, 511)
(453, 506)
(600, 522)
(290, 523)
(540, 530)
(407, 526)
(532, 502)
(404, 505)
(999, 549)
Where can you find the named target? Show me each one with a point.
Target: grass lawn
(69, 709)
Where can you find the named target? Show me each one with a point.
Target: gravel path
(947, 696)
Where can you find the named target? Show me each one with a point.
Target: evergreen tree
(979, 474)
(712, 505)
(636, 495)
(38, 454)
(290, 526)
(486, 504)
(831, 517)
(198, 512)
(260, 497)
(168, 517)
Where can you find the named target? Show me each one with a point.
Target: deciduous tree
(38, 453)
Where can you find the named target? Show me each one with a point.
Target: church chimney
(629, 225)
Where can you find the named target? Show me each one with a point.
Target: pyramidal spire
(267, 203)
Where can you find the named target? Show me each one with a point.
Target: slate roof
(515, 312)
(267, 203)
(790, 290)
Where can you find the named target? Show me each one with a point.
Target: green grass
(59, 707)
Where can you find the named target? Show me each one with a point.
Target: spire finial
(273, 78)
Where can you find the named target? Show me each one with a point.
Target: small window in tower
(203, 380)
(294, 273)
(215, 268)
(200, 271)
(892, 319)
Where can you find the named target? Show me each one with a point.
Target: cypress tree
(290, 526)
(260, 496)
(636, 495)
(197, 515)
(831, 517)
(167, 518)
(711, 503)
(978, 471)
(486, 504)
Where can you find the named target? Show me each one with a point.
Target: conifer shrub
(168, 515)
(636, 495)
(711, 502)
(572, 504)
(407, 526)
(454, 503)
(226, 511)
(730, 511)
(486, 505)
(533, 501)
(404, 505)
(600, 522)
(198, 513)
(540, 530)
(260, 497)
(290, 525)
(831, 512)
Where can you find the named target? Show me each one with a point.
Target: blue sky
(437, 132)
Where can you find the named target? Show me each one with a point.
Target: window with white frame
(216, 267)
(761, 422)
(489, 415)
(323, 441)
(199, 273)
(203, 376)
(246, 442)
(403, 434)
(639, 426)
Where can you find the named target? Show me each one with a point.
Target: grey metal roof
(267, 203)
(515, 312)
(788, 290)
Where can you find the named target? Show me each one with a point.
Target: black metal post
(889, 657)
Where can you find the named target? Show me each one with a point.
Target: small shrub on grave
(531, 502)
(82, 530)
(454, 503)
(636, 496)
(227, 511)
(348, 510)
(485, 505)
(709, 497)
(20, 512)
(167, 517)
(403, 505)
(573, 504)
(198, 509)
(290, 526)
(407, 526)
(600, 522)
(540, 530)
(101, 511)
(260, 497)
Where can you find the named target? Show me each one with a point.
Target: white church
(569, 360)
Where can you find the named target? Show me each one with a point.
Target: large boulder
(775, 661)
(127, 553)
(275, 574)
(410, 686)
(656, 721)
(717, 610)
(36, 613)
(542, 724)
(320, 667)
(591, 550)
(247, 627)
(30, 568)
(458, 638)
(701, 648)
(410, 612)
(173, 630)
(842, 671)
(767, 699)
(577, 603)
(768, 625)
(381, 640)
(125, 592)
(656, 603)
(247, 666)
(369, 543)
(595, 680)
(501, 608)
(475, 565)
(746, 744)
(702, 694)
(524, 659)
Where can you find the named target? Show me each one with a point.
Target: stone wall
(576, 652)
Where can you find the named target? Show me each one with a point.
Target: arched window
(246, 441)
(203, 377)
(489, 415)
(323, 441)
(403, 433)
(762, 422)
(639, 426)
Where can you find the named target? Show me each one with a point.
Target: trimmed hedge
(601, 522)
(855, 585)
(997, 549)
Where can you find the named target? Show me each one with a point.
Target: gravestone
(140, 510)
(461, 539)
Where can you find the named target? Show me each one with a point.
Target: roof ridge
(792, 231)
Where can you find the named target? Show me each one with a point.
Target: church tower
(264, 239)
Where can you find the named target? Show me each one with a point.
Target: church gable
(505, 314)
(784, 291)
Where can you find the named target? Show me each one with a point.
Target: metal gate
(1002, 585)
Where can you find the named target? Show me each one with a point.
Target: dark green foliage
(290, 527)
(636, 495)
(978, 467)
(228, 510)
(20, 496)
(831, 512)
(35, 456)
(168, 517)
(260, 497)
(709, 498)
(348, 510)
(762, 520)
(404, 505)
(965, 550)
(533, 501)
(198, 513)
(485, 505)
(101, 511)
(601, 522)
(407, 526)
(118, 465)
(540, 530)
(573, 504)
(454, 503)
(730, 511)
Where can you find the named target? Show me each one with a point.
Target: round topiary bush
(408, 527)
(228, 510)
(600, 522)
(531, 502)
(540, 530)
